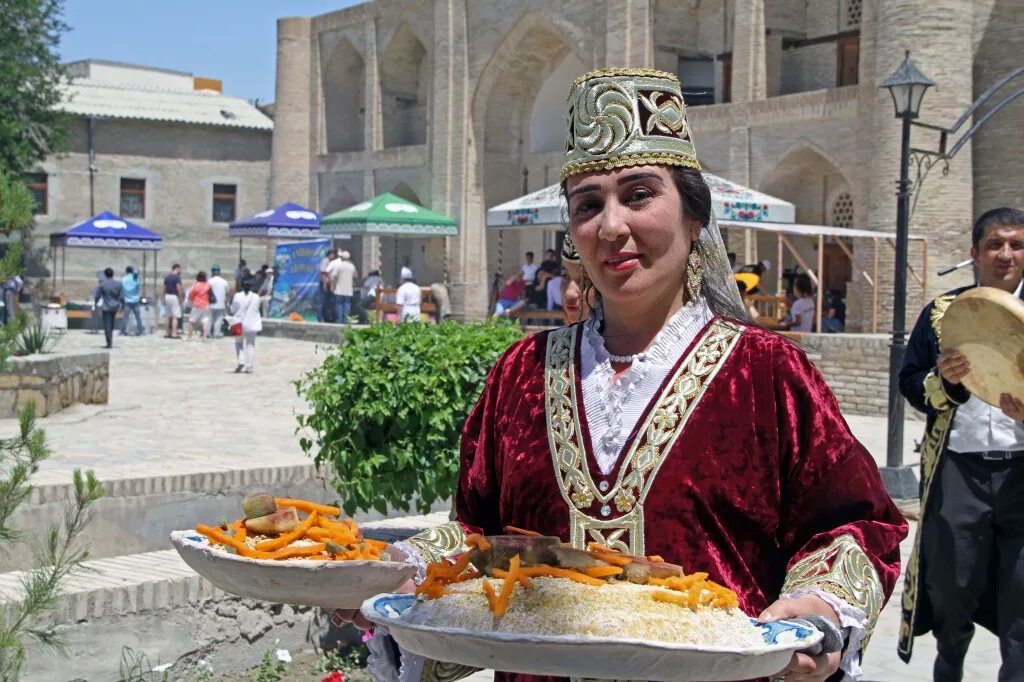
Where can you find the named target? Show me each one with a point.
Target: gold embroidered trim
(612, 73)
(939, 308)
(642, 462)
(440, 542)
(934, 392)
(844, 570)
(630, 160)
(931, 451)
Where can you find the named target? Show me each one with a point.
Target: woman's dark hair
(201, 276)
(696, 196)
(247, 284)
(802, 284)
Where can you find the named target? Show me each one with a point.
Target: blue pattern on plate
(393, 605)
(775, 630)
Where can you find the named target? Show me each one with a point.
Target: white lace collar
(613, 407)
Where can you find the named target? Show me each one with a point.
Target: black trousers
(973, 543)
(108, 326)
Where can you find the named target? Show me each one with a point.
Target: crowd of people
(208, 307)
(339, 299)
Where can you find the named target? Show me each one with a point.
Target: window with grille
(133, 198)
(38, 187)
(842, 210)
(224, 198)
(854, 8)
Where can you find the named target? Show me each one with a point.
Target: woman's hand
(342, 616)
(804, 668)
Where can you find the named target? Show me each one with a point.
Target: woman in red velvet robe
(668, 424)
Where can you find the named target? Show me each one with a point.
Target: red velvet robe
(764, 472)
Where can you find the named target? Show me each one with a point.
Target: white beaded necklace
(628, 359)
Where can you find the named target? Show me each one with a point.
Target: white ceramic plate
(334, 584)
(601, 658)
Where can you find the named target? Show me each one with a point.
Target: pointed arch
(344, 85)
(405, 78)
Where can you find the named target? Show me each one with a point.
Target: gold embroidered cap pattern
(626, 117)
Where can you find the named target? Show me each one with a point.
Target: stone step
(155, 604)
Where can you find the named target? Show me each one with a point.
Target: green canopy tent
(389, 215)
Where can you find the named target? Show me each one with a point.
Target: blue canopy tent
(287, 221)
(106, 231)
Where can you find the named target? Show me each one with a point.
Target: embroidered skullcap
(569, 254)
(406, 273)
(626, 117)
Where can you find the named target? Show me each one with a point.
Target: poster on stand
(297, 286)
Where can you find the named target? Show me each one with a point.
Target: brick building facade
(163, 149)
(458, 105)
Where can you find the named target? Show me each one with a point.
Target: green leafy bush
(388, 407)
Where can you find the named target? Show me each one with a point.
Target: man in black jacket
(968, 561)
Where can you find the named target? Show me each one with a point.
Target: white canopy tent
(545, 209)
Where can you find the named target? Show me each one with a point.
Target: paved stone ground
(178, 406)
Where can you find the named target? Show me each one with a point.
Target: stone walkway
(177, 406)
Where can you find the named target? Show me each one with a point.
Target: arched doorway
(519, 109)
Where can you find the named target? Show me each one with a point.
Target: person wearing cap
(218, 302)
(575, 308)
(667, 423)
(132, 298)
(342, 273)
(408, 298)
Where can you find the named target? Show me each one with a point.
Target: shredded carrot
(293, 552)
(220, 537)
(322, 534)
(478, 541)
(491, 597)
(612, 558)
(602, 571)
(598, 547)
(657, 558)
(306, 506)
(240, 530)
(288, 538)
(509, 584)
(512, 530)
(555, 572)
(523, 580)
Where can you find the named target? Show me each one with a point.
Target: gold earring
(694, 271)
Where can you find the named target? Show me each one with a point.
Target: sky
(231, 40)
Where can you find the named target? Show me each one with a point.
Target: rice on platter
(557, 606)
(539, 586)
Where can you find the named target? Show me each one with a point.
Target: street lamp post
(907, 87)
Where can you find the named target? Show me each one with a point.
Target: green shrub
(388, 407)
(34, 338)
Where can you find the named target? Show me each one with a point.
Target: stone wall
(856, 367)
(187, 622)
(53, 382)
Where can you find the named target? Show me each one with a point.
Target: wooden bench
(385, 303)
(770, 309)
(549, 318)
